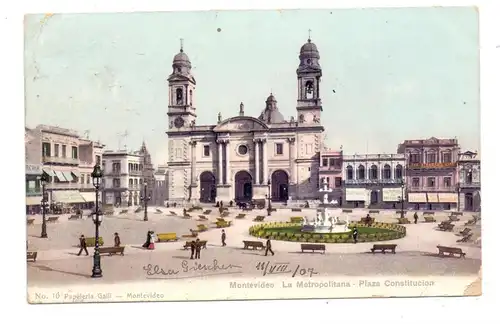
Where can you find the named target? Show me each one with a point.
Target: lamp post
(44, 179)
(269, 208)
(145, 197)
(97, 218)
(402, 198)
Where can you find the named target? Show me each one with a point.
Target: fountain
(320, 225)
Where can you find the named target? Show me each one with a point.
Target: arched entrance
(208, 188)
(279, 186)
(374, 197)
(243, 190)
(469, 202)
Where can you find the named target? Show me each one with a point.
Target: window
(431, 157)
(98, 159)
(431, 182)
(63, 151)
(446, 157)
(415, 182)
(361, 173)
(82, 179)
(309, 148)
(399, 172)
(338, 182)
(140, 182)
(45, 149)
(88, 178)
(374, 172)
(309, 169)
(74, 152)
(328, 181)
(56, 150)
(130, 183)
(242, 149)
(447, 182)
(279, 149)
(468, 177)
(414, 158)
(206, 150)
(116, 183)
(349, 173)
(332, 162)
(325, 162)
(387, 171)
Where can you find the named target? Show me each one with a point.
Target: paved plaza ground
(58, 264)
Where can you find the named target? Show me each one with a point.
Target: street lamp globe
(44, 178)
(97, 217)
(96, 176)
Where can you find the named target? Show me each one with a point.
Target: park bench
(465, 231)
(428, 213)
(374, 211)
(173, 213)
(259, 218)
(347, 210)
(307, 228)
(399, 213)
(450, 251)
(403, 220)
(240, 216)
(368, 221)
(457, 214)
(187, 245)
(296, 209)
(454, 218)
(186, 216)
(31, 256)
(224, 214)
(296, 219)
(138, 210)
(123, 211)
(90, 241)
(110, 250)
(223, 224)
(166, 237)
(466, 238)
(202, 228)
(220, 220)
(52, 219)
(206, 212)
(472, 221)
(253, 244)
(313, 247)
(445, 226)
(74, 217)
(202, 218)
(247, 208)
(157, 211)
(30, 221)
(384, 247)
(429, 219)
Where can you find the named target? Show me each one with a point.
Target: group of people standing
(83, 243)
(150, 241)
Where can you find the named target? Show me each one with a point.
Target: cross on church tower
(182, 44)
(309, 39)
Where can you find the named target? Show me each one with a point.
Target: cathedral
(242, 158)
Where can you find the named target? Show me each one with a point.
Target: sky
(398, 73)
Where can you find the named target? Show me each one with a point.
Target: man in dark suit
(268, 246)
(193, 248)
(198, 249)
(117, 240)
(355, 234)
(223, 238)
(83, 246)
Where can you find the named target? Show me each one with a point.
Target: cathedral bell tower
(309, 77)
(181, 86)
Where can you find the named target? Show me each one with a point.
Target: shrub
(316, 236)
(311, 240)
(289, 234)
(302, 239)
(282, 234)
(321, 241)
(298, 235)
(306, 236)
(294, 239)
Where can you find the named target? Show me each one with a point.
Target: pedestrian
(415, 217)
(148, 240)
(193, 248)
(117, 240)
(198, 248)
(83, 245)
(152, 240)
(268, 246)
(355, 234)
(223, 238)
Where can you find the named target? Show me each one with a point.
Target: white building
(469, 181)
(235, 158)
(373, 180)
(122, 178)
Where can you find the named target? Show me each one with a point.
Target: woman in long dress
(152, 240)
(148, 240)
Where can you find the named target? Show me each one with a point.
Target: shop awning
(76, 173)
(432, 197)
(67, 197)
(448, 197)
(68, 175)
(89, 196)
(60, 176)
(417, 197)
(33, 201)
(49, 172)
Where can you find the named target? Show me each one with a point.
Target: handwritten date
(268, 268)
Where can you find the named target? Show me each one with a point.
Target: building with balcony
(159, 192)
(431, 173)
(90, 153)
(33, 169)
(469, 181)
(123, 177)
(373, 180)
(330, 169)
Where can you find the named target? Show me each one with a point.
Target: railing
(114, 173)
(443, 165)
(431, 189)
(69, 185)
(361, 157)
(469, 184)
(134, 187)
(135, 173)
(373, 181)
(330, 168)
(33, 192)
(61, 160)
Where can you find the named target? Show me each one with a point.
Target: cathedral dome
(309, 50)
(271, 114)
(181, 60)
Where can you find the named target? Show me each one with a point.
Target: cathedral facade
(244, 157)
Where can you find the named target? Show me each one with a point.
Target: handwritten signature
(269, 268)
(186, 267)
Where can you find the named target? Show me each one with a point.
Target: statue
(193, 123)
(315, 119)
(301, 118)
(219, 118)
(242, 109)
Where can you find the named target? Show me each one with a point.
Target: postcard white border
(375, 310)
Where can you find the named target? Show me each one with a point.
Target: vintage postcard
(237, 155)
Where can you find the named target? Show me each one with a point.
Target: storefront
(448, 200)
(67, 201)
(357, 197)
(417, 200)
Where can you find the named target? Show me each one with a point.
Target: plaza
(58, 265)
